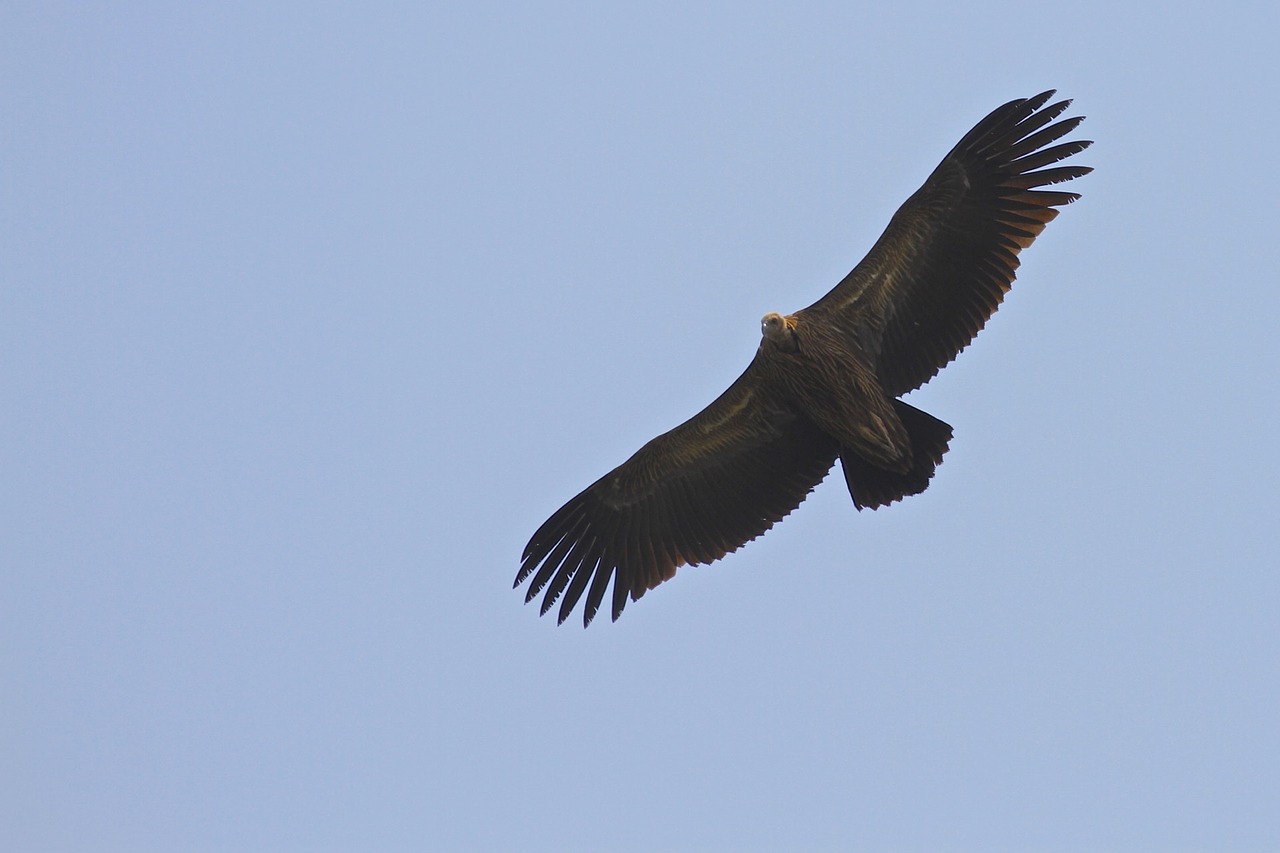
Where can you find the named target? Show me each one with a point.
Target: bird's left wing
(689, 496)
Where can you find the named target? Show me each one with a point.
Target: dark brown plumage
(823, 382)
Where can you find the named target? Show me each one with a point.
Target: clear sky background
(311, 313)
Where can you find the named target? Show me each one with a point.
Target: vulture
(825, 381)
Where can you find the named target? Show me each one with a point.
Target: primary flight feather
(824, 381)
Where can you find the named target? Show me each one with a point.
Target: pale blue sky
(311, 313)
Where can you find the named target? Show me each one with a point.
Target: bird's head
(780, 331)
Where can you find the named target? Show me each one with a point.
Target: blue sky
(312, 313)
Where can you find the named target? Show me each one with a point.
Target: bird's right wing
(689, 496)
(949, 255)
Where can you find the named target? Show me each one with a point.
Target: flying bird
(825, 380)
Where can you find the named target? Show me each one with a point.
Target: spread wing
(949, 255)
(690, 496)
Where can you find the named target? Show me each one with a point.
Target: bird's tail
(873, 487)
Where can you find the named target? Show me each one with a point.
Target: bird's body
(824, 381)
